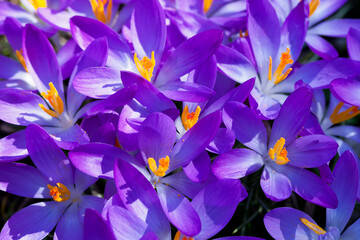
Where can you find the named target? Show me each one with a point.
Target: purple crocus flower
(284, 157)
(275, 49)
(288, 223)
(320, 10)
(56, 113)
(159, 65)
(54, 177)
(157, 135)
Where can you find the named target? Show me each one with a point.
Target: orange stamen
(313, 6)
(163, 166)
(207, 5)
(243, 34)
(178, 235)
(279, 153)
(145, 66)
(20, 56)
(318, 230)
(60, 193)
(285, 59)
(54, 100)
(349, 113)
(190, 119)
(38, 3)
(98, 7)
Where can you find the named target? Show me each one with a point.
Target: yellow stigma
(318, 230)
(313, 5)
(349, 113)
(98, 7)
(59, 193)
(178, 235)
(38, 3)
(20, 56)
(145, 66)
(285, 59)
(54, 100)
(190, 119)
(163, 166)
(243, 34)
(279, 153)
(207, 5)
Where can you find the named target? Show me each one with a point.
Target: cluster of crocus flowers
(179, 120)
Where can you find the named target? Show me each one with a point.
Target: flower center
(59, 193)
(207, 5)
(54, 100)
(163, 166)
(285, 59)
(20, 56)
(98, 8)
(243, 34)
(318, 230)
(312, 6)
(279, 153)
(38, 3)
(178, 236)
(145, 66)
(349, 113)
(190, 119)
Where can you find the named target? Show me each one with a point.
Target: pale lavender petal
(179, 210)
(216, 204)
(345, 185)
(234, 65)
(237, 163)
(321, 47)
(85, 30)
(223, 141)
(353, 44)
(148, 29)
(311, 151)
(47, 156)
(264, 32)
(186, 91)
(284, 224)
(70, 225)
(12, 177)
(98, 82)
(68, 138)
(199, 168)
(335, 27)
(41, 60)
(248, 129)
(21, 107)
(156, 136)
(44, 214)
(189, 55)
(275, 185)
(13, 147)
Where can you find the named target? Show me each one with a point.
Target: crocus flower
(156, 139)
(55, 112)
(284, 157)
(150, 59)
(53, 177)
(319, 11)
(275, 49)
(288, 223)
